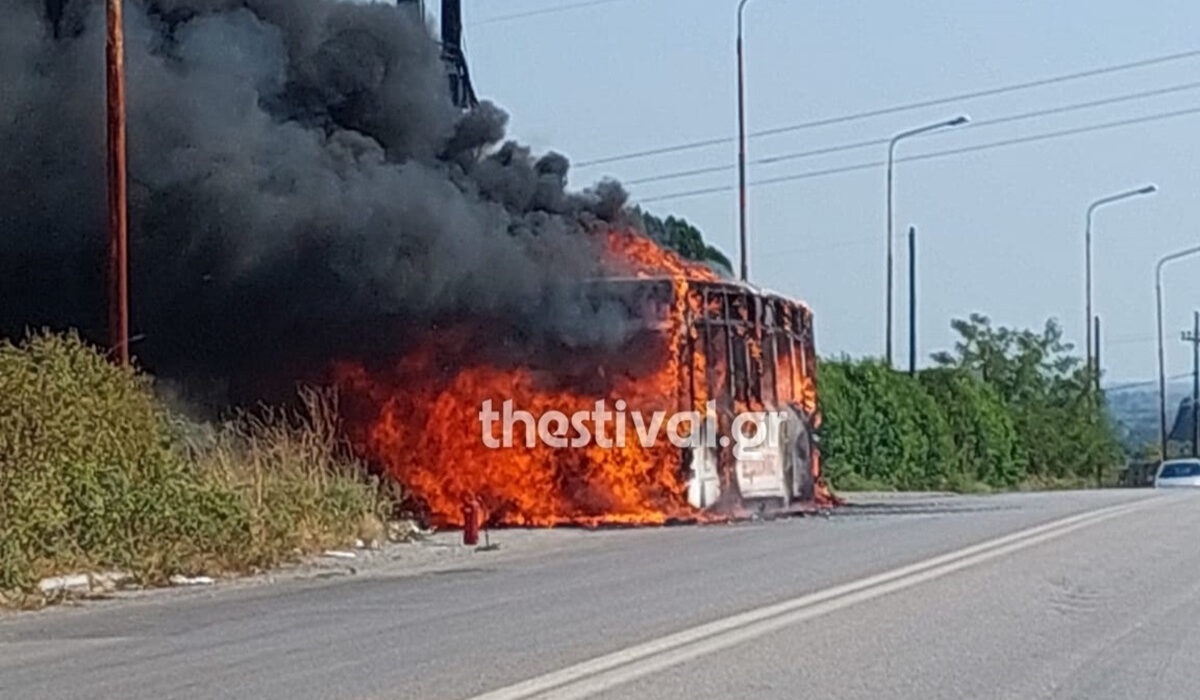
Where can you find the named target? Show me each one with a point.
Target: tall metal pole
(1162, 370)
(891, 166)
(1193, 337)
(741, 87)
(912, 300)
(1096, 399)
(118, 218)
(1087, 284)
(1087, 259)
(887, 343)
(1162, 374)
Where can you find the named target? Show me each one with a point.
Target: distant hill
(1135, 409)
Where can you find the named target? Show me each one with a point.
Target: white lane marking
(604, 672)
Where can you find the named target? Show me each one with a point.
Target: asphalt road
(1073, 595)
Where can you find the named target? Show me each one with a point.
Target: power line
(927, 156)
(544, 11)
(1134, 385)
(898, 108)
(770, 160)
(935, 154)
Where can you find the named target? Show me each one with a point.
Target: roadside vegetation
(1005, 409)
(685, 239)
(96, 474)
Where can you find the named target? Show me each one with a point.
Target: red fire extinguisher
(470, 523)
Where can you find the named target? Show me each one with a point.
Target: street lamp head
(958, 121)
(1148, 189)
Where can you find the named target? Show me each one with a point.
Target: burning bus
(740, 351)
(693, 343)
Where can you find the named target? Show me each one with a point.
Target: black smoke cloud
(301, 188)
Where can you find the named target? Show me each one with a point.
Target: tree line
(1006, 408)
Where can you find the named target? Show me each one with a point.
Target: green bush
(881, 427)
(987, 447)
(96, 474)
(88, 475)
(1065, 431)
(1067, 444)
(1005, 409)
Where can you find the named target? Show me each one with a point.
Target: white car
(1176, 473)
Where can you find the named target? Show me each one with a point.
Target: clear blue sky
(1001, 230)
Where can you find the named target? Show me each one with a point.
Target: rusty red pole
(118, 216)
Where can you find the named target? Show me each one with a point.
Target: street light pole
(118, 218)
(1087, 255)
(891, 162)
(1162, 370)
(741, 87)
(1193, 338)
(912, 300)
(1196, 384)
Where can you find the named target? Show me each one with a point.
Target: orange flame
(424, 423)
(428, 435)
(644, 258)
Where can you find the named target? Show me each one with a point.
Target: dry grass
(302, 486)
(95, 474)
